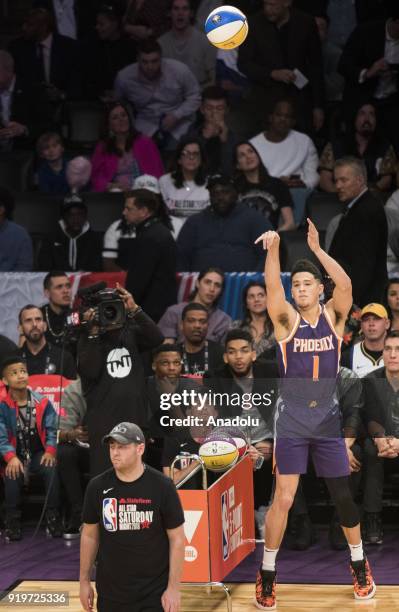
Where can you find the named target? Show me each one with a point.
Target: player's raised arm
(281, 312)
(342, 295)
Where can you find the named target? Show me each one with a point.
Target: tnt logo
(119, 363)
(109, 514)
(225, 525)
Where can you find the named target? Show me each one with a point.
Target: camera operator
(111, 369)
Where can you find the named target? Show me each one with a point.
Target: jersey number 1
(316, 362)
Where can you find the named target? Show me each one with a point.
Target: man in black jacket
(369, 63)
(381, 408)
(151, 275)
(360, 241)
(280, 40)
(111, 370)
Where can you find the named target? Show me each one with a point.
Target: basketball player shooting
(308, 417)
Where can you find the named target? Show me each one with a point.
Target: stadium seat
(296, 247)
(16, 170)
(84, 121)
(103, 208)
(322, 207)
(36, 212)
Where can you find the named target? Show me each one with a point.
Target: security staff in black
(133, 523)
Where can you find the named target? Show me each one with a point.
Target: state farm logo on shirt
(110, 520)
(119, 363)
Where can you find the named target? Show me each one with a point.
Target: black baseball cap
(219, 179)
(125, 433)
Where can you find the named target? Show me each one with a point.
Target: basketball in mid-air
(226, 27)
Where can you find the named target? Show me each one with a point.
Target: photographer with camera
(114, 332)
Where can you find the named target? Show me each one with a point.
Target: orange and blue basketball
(226, 27)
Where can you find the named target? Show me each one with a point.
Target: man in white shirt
(367, 355)
(164, 92)
(289, 155)
(186, 44)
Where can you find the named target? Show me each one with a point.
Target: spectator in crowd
(16, 252)
(331, 53)
(40, 356)
(7, 347)
(208, 289)
(392, 302)
(28, 441)
(392, 214)
(146, 19)
(73, 454)
(382, 448)
(142, 561)
(283, 47)
(364, 140)
(199, 355)
(73, 18)
(151, 274)
(107, 52)
(164, 93)
(366, 356)
(58, 290)
(123, 154)
(369, 64)
(216, 137)
(360, 241)
(222, 235)
(256, 320)
(233, 82)
(167, 369)
(78, 173)
(289, 155)
(203, 8)
(74, 245)
(184, 188)
(258, 190)
(111, 371)
(46, 61)
(16, 107)
(51, 173)
(186, 44)
(242, 375)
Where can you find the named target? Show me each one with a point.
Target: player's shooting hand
(270, 240)
(171, 600)
(14, 468)
(313, 237)
(127, 297)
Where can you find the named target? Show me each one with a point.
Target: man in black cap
(223, 234)
(133, 523)
(74, 245)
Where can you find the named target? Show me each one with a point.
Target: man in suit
(73, 18)
(46, 61)
(13, 106)
(360, 241)
(370, 65)
(280, 40)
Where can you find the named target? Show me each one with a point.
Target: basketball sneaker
(265, 593)
(363, 583)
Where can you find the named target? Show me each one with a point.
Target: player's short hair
(391, 334)
(50, 275)
(166, 348)
(304, 265)
(193, 306)
(238, 334)
(10, 360)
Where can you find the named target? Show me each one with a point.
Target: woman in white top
(183, 189)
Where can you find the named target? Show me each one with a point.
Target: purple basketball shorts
(329, 456)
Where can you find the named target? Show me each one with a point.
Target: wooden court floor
(291, 598)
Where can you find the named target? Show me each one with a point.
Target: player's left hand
(313, 237)
(171, 600)
(127, 297)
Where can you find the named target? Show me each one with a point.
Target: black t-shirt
(208, 358)
(268, 197)
(49, 361)
(133, 557)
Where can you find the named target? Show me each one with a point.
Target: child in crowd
(51, 173)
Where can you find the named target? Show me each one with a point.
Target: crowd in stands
(195, 152)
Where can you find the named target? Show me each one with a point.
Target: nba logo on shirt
(225, 525)
(109, 514)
